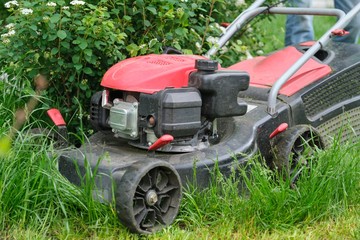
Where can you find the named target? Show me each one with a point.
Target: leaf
(71, 79)
(52, 37)
(76, 41)
(65, 19)
(130, 29)
(147, 23)
(78, 66)
(88, 52)
(81, 28)
(83, 87)
(98, 44)
(140, 3)
(127, 18)
(61, 34)
(133, 49)
(67, 13)
(54, 51)
(55, 18)
(181, 31)
(33, 27)
(177, 46)
(115, 11)
(83, 44)
(75, 59)
(52, 26)
(36, 57)
(152, 10)
(88, 70)
(121, 36)
(65, 45)
(152, 42)
(88, 94)
(61, 62)
(90, 59)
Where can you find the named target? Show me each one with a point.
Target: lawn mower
(164, 120)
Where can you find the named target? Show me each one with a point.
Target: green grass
(35, 195)
(268, 204)
(38, 203)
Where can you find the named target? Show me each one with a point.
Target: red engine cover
(151, 73)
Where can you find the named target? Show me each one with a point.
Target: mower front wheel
(148, 196)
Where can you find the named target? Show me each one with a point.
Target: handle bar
(254, 10)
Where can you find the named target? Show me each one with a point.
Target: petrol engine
(186, 109)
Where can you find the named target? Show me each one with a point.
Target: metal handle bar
(255, 4)
(248, 15)
(254, 10)
(341, 23)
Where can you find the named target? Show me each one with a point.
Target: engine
(187, 113)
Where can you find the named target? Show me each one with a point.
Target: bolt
(151, 198)
(151, 121)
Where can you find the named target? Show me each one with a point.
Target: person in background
(299, 28)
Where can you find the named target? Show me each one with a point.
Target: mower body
(176, 117)
(323, 94)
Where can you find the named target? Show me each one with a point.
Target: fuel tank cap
(206, 65)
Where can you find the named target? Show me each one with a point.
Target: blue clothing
(299, 28)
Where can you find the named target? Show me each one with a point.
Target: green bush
(71, 44)
(74, 43)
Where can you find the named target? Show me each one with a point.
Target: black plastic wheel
(148, 196)
(293, 148)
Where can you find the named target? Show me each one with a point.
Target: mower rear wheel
(294, 148)
(148, 196)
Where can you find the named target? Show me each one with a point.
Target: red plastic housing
(151, 73)
(56, 117)
(264, 71)
(281, 128)
(162, 141)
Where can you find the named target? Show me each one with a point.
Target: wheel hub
(151, 198)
